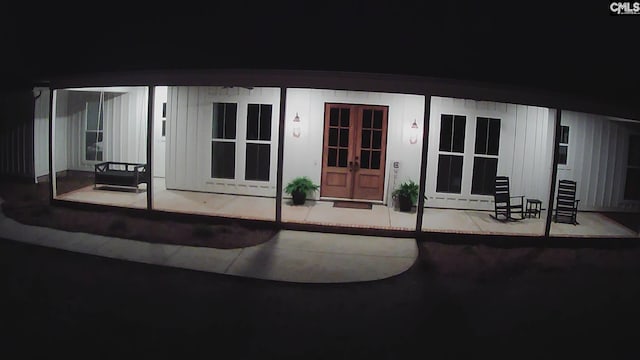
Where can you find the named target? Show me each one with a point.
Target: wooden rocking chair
(502, 201)
(566, 203)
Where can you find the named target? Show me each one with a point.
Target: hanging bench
(123, 174)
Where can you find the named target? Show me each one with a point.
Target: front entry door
(354, 151)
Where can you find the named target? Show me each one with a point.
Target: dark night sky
(578, 48)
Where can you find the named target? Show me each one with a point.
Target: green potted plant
(406, 194)
(299, 188)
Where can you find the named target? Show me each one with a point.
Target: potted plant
(406, 194)
(299, 188)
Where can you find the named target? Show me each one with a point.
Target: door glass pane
(333, 137)
(342, 159)
(366, 139)
(344, 117)
(258, 162)
(446, 130)
(253, 113)
(332, 157)
(344, 137)
(377, 119)
(265, 122)
(484, 174)
(375, 160)
(377, 140)
(223, 155)
(458, 133)
(364, 159)
(366, 119)
(333, 116)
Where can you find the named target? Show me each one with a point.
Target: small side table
(534, 208)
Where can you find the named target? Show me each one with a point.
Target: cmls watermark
(624, 8)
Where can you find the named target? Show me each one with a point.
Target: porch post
(554, 171)
(150, 102)
(280, 164)
(52, 173)
(423, 163)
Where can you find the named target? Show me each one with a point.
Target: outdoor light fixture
(296, 126)
(413, 137)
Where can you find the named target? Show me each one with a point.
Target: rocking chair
(502, 201)
(566, 203)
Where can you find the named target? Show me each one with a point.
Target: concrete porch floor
(591, 224)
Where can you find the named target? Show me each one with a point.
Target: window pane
(253, 114)
(632, 190)
(562, 155)
(333, 137)
(482, 130)
(332, 157)
(484, 175)
(458, 133)
(366, 139)
(449, 174)
(333, 116)
(493, 142)
(218, 121)
(258, 162)
(377, 119)
(231, 111)
(265, 122)
(366, 118)
(564, 134)
(634, 150)
(375, 160)
(364, 159)
(344, 137)
(342, 159)
(344, 117)
(446, 128)
(93, 116)
(223, 160)
(164, 109)
(164, 127)
(93, 141)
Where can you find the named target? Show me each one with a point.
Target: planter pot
(299, 197)
(405, 204)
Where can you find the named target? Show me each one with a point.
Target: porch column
(423, 164)
(280, 164)
(554, 171)
(150, 102)
(52, 173)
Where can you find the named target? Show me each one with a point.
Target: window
(631, 189)
(223, 140)
(485, 163)
(452, 132)
(564, 145)
(94, 135)
(164, 119)
(258, 151)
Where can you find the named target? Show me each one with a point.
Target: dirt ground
(29, 204)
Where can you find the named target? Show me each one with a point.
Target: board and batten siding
(524, 153)
(189, 136)
(303, 155)
(597, 160)
(124, 128)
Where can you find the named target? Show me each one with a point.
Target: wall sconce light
(296, 126)
(413, 136)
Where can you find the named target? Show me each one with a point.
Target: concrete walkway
(292, 256)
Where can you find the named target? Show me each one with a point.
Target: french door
(354, 151)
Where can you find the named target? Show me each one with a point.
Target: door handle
(350, 166)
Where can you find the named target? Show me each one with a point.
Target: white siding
(597, 160)
(41, 133)
(159, 142)
(125, 130)
(524, 152)
(303, 155)
(189, 132)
